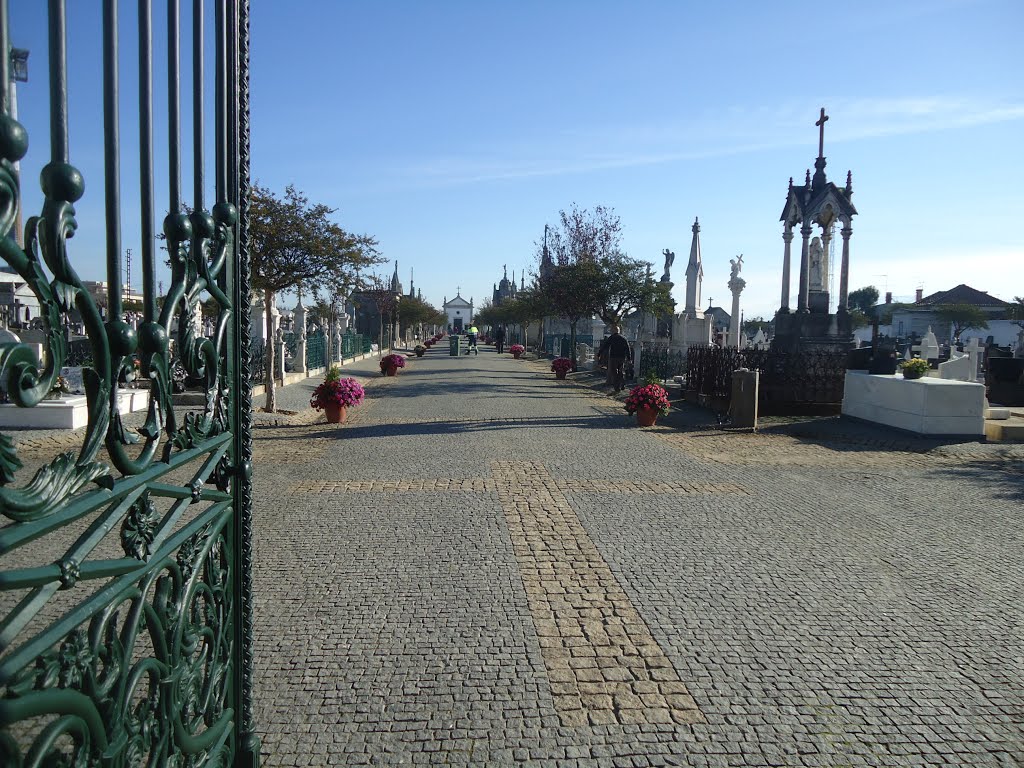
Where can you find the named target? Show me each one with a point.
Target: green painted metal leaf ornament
(9, 461)
(61, 478)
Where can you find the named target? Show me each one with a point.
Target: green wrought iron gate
(126, 613)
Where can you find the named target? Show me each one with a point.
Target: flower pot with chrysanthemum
(336, 395)
(389, 364)
(561, 366)
(647, 402)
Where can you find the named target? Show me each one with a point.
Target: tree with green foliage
(861, 304)
(755, 324)
(575, 292)
(961, 317)
(295, 242)
(626, 287)
(416, 313)
(864, 299)
(591, 274)
(529, 306)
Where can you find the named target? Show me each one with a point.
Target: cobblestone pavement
(489, 567)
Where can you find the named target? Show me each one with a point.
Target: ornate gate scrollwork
(125, 585)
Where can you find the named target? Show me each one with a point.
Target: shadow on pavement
(456, 387)
(597, 421)
(1003, 479)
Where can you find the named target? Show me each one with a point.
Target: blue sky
(453, 131)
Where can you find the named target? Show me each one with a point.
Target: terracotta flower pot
(645, 417)
(419, 353)
(336, 414)
(909, 374)
(516, 355)
(391, 370)
(560, 374)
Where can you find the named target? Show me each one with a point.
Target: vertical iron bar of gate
(239, 189)
(111, 161)
(146, 160)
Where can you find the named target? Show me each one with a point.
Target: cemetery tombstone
(957, 368)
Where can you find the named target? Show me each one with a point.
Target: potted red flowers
(335, 396)
(561, 366)
(517, 350)
(389, 364)
(647, 402)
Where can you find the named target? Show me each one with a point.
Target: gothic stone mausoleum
(820, 205)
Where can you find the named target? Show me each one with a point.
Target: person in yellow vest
(472, 332)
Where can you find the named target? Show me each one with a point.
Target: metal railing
(316, 350)
(662, 360)
(790, 382)
(557, 344)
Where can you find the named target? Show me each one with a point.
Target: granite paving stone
(486, 566)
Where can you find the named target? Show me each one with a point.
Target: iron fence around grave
(79, 353)
(316, 350)
(351, 345)
(557, 344)
(257, 361)
(790, 382)
(662, 360)
(291, 345)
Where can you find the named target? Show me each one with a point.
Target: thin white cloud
(730, 132)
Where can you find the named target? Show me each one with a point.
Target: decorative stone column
(801, 300)
(844, 269)
(336, 343)
(787, 238)
(300, 334)
(736, 285)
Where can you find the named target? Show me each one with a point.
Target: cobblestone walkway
(489, 567)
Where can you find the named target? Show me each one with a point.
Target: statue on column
(736, 266)
(736, 285)
(670, 258)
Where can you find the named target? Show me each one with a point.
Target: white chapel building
(459, 312)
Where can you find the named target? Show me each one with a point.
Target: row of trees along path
(583, 272)
(296, 244)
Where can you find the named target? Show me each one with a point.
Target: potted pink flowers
(517, 350)
(647, 402)
(561, 366)
(389, 364)
(335, 395)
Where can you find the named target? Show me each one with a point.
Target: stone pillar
(844, 269)
(801, 300)
(336, 343)
(736, 285)
(787, 238)
(279, 352)
(299, 330)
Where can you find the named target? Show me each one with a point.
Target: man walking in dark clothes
(618, 351)
(499, 338)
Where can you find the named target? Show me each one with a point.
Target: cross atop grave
(821, 132)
